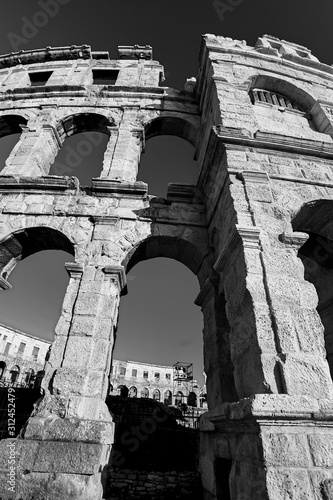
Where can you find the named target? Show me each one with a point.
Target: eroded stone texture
(256, 230)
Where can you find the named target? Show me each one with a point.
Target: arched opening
(10, 132)
(156, 395)
(145, 393)
(281, 107)
(168, 398)
(168, 156)
(38, 283)
(159, 322)
(122, 391)
(133, 392)
(316, 254)
(84, 140)
(14, 374)
(2, 369)
(179, 398)
(29, 377)
(32, 264)
(192, 399)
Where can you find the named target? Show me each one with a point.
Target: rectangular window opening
(21, 348)
(105, 76)
(35, 352)
(122, 370)
(39, 78)
(7, 348)
(145, 374)
(168, 376)
(157, 375)
(134, 372)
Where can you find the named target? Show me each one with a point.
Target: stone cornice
(249, 236)
(118, 275)
(55, 184)
(295, 239)
(104, 187)
(45, 55)
(4, 284)
(279, 142)
(74, 269)
(205, 294)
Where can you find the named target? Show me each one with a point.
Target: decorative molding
(181, 193)
(279, 142)
(263, 190)
(249, 236)
(44, 55)
(105, 220)
(105, 187)
(118, 275)
(295, 239)
(74, 269)
(54, 132)
(139, 133)
(44, 183)
(206, 293)
(4, 284)
(135, 52)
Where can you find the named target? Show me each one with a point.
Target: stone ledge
(279, 142)
(270, 406)
(181, 193)
(104, 187)
(53, 183)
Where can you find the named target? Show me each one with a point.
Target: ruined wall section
(270, 161)
(100, 225)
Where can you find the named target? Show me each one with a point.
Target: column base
(40, 470)
(268, 447)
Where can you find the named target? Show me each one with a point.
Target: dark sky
(158, 321)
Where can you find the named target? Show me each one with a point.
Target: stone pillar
(122, 157)
(34, 153)
(67, 442)
(217, 362)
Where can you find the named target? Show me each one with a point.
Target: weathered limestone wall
(141, 484)
(265, 185)
(266, 162)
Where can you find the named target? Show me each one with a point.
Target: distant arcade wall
(256, 230)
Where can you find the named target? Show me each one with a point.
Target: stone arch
(167, 398)
(172, 125)
(133, 392)
(83, 122)
(316, 219)
(25, 242)
(179, 398)
(29, 376)
(299, 96)
(192, 399)
(144, 393)
(188, 248)
(156, 395)
(11, 124)
(14, 374)
(122, 391)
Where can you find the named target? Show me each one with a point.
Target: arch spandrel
(25, 242)
(190, 249)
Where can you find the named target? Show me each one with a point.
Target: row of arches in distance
(180, 398)
(168, 156)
